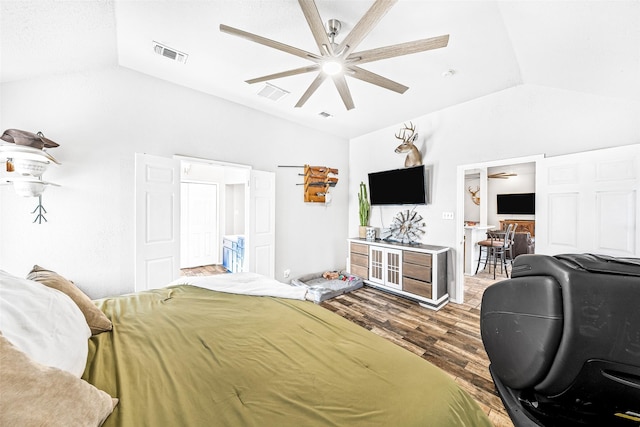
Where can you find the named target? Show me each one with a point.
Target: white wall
(100, 119)
(522, 121)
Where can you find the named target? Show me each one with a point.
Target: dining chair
(512, 239)
(501, 251)
(496, 245)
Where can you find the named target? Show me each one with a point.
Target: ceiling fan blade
(365, 25)
(301, 70)
(398, 49)
(369, 77)
(315, 84)
(501, 175)
(271, 43)
(343, 89)
(315, 24)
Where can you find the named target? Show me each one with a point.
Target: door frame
(177, 169)
(458, 296)
(221, 193)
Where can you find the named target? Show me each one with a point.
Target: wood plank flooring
(448, 338)
(205, 270)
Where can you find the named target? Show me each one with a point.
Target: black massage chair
(563, 339)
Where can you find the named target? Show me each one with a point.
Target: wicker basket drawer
(417, 287)
(417, 258)
(359, 259)
(359, 270)
(419, 272)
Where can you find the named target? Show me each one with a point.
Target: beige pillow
(32, 394)
(96, 319)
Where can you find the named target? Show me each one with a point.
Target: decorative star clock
(406, 227)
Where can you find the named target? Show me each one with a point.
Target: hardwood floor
(205, 270)
(448, 338)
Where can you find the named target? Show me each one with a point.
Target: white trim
(210, 161)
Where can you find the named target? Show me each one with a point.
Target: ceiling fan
(337, 60)
(501, 175)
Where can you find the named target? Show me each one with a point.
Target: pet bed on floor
(323, 286)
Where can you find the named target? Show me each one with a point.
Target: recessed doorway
(486, 211)
(213, 209)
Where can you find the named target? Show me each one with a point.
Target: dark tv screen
(523, 203)
(398, 187)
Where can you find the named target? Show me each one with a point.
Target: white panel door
(262, 224)
(157, 221)
(589, 203)
(199, 224)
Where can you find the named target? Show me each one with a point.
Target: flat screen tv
(406, 186)
(523, 203)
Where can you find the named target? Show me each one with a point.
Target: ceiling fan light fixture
(336, 60)
(332, 67)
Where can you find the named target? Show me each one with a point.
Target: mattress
(185, 355)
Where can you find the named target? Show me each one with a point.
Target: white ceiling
(586, 46)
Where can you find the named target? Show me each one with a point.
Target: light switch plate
(447, 215)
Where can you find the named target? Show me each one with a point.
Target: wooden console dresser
(418, 272)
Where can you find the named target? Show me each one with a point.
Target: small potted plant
(365, 209)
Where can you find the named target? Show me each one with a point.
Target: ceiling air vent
(170, 53)
(272, 92)
(325, 114)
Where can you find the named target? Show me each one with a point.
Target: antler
(406, 128)
(474, 192)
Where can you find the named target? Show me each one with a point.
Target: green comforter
(185, 356)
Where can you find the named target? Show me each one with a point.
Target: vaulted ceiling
(586, 46)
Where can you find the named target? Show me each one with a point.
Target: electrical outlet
(447, 215)
(287, 273)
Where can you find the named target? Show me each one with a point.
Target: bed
(187, 355)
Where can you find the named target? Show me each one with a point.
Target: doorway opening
(474, 220)
(214, 216)
(158, 211)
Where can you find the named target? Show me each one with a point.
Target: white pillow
(44, 323)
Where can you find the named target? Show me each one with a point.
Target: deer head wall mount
(474, 198)
(408, 135)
